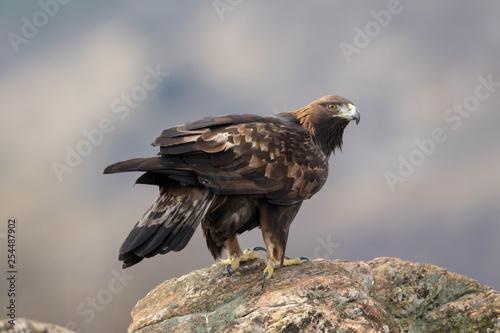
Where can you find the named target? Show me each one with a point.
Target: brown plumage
(232, 174)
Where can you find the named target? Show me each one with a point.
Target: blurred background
(84, 84)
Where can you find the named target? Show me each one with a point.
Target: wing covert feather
(249, 155)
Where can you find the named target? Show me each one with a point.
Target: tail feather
(159, 164)
(129, 259)
(169, 223)
(159, 170)
(124, 166)
(183, 237)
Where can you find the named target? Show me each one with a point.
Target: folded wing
(237, 155)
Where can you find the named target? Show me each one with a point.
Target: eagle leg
(275, 256)
(275, 223)
(235, 255)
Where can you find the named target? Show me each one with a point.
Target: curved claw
(259, 248)
(266, 274)
(304, 258)
(228, 269)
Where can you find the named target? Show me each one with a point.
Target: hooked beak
(353, 113)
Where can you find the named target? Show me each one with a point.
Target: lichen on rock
(382, 295)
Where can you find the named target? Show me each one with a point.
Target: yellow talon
(249, 255)
(268, 272)
(289, 262)
(233, 264)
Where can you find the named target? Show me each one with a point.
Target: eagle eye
(331, 107)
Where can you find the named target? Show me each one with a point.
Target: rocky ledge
(23, 325)
(382, 295)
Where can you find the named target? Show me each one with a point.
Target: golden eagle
(232, 174)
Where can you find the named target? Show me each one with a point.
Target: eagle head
(326, 119)
(340, 108)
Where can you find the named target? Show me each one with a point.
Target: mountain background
(84, 84)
